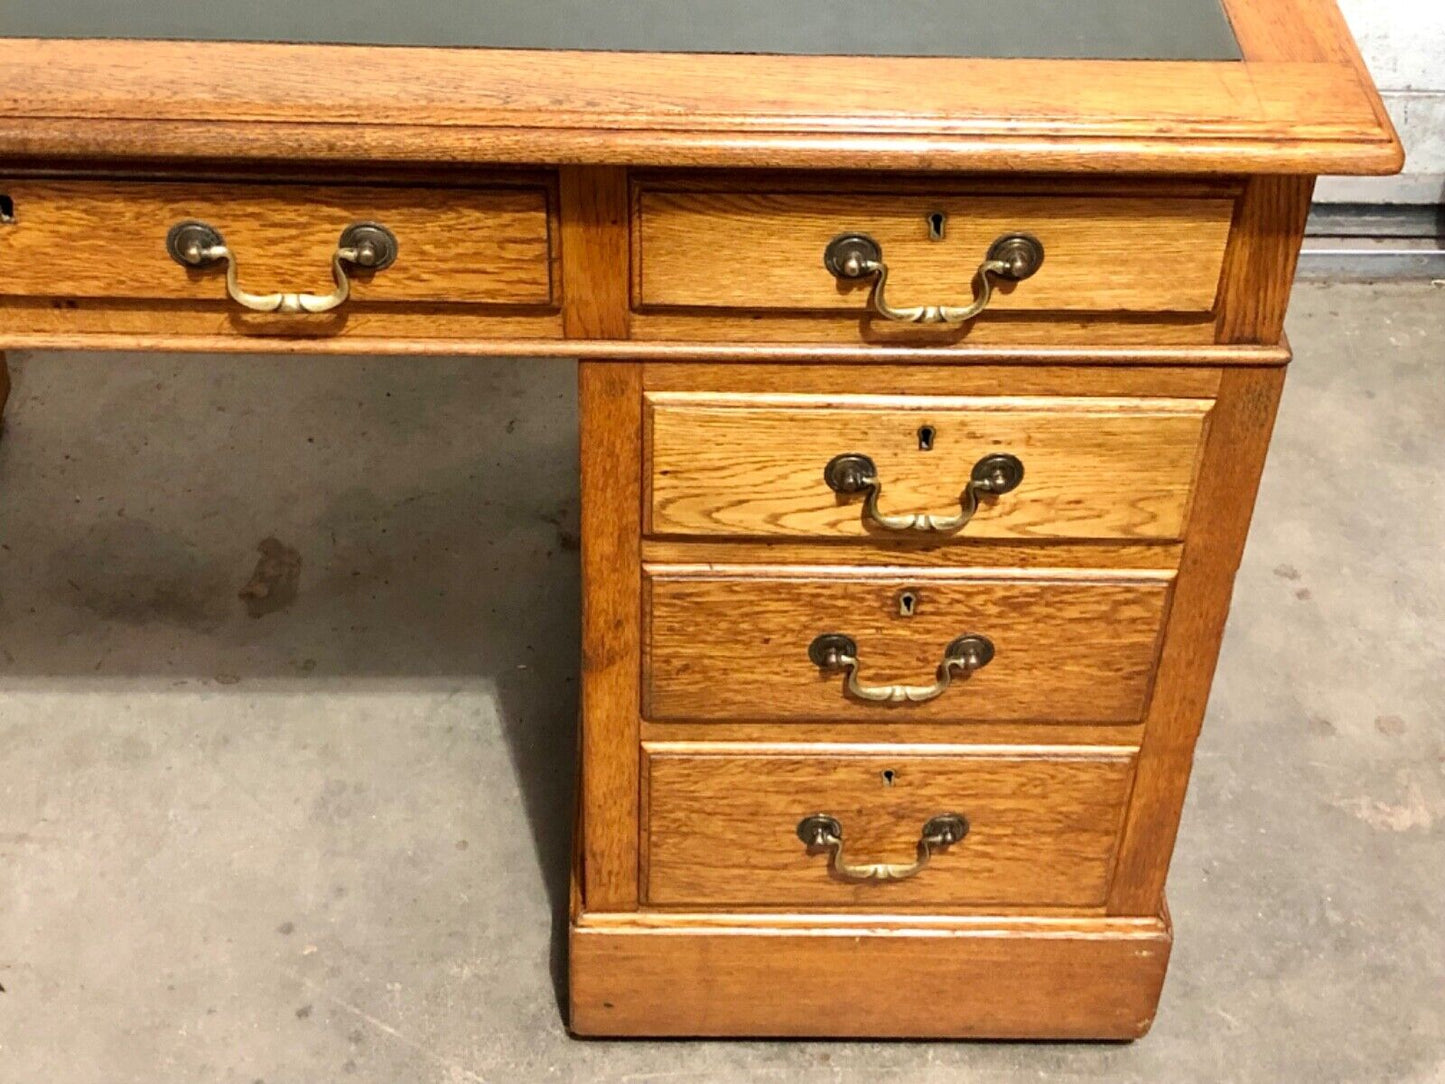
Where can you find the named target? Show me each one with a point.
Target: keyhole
(887, 774)
(926, 434)
(7, 208)
(907, 604)
(936, 222)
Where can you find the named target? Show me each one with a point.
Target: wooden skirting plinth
(845, 976)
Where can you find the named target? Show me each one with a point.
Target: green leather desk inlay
(1087, 29)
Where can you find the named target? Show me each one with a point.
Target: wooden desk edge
(56, 141)
(1299, 102)
(625, 350)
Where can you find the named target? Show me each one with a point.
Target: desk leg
(4, 387)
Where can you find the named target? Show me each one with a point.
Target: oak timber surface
(486, 245)
(1042, 825)
(1091, 29)
(1096, 979)
(1093, 468)
(731, 644)
(1297, 103)
(1091, 244)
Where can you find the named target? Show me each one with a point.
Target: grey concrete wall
(1404, 44)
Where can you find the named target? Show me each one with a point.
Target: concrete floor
(329, 842)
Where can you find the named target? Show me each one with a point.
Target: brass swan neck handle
(853, 257)
(364, 244)
(853, 472)
(823, 832)
(832, 652)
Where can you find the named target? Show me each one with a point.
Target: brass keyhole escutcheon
(907, 603)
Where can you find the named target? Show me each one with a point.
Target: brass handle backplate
(366, 245)
(854, 472)
(822, 832)
(834, 652)
(852, 257)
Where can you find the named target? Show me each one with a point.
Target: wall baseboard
(1365, 241)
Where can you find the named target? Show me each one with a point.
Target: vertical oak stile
(1228, 481)
(595, 305)
(1259, 264)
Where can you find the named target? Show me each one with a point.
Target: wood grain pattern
(594, 252)
(1289, 30)
(721, 825)
(1264, 248)
(107, 239)
(594, 239)
(732, 643)
(609, 401)
(1229, 478)
(971, 183)
(891, 735)
(272, 142)
(1299, 30)
(754, 465)
(220, 327)
(43, 327)
(917, 553)
(995, 978)
(1091, 244)
(164, 100)
(1003, 920)
(594, 203)
(999, 330)
(1036, 373)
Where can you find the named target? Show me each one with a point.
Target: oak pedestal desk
(928, 358)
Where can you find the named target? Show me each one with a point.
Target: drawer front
(765, 251)
(758, 466)
(107, 240)
(738, 645)
(722, 828)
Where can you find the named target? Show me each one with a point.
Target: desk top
(1083, 29)
(1136, 86)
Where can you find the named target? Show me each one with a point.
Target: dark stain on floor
(132, 572)
(276, 581)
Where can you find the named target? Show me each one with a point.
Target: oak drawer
(1040, 827)
(459, 250)
(759, 465)
(737, 644)
(760, 251)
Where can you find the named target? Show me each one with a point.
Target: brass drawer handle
(822, 832)
(365, 244)
(856, 473)
(854, 256)
(833, 652)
